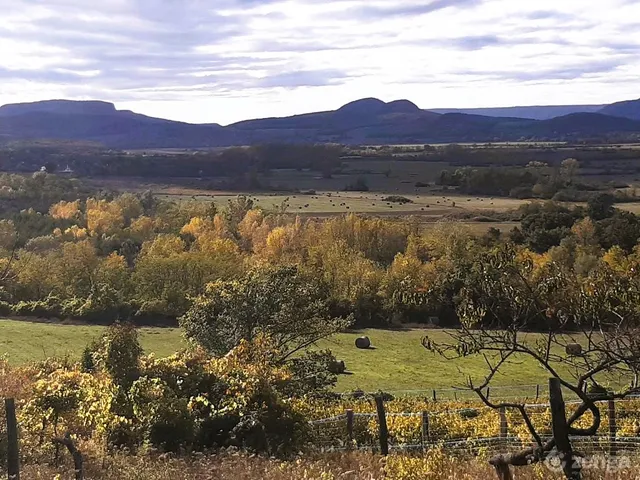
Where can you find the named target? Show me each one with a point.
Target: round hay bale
(337, 367)
(363, 342)
(573, 349)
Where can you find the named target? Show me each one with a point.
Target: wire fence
(531, 393)
(477, 430)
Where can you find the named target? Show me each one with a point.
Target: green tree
(281, 303)
(600, 206)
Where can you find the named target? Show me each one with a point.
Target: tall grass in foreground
(435, 465)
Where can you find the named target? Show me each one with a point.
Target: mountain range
(365, 121)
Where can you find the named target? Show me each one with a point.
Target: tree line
(132, 256)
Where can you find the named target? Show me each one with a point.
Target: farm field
(397, 363)
(330, 203)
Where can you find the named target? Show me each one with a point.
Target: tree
(570, 168)
(621, 229)
(600, 206)
(281, 303)
(601, 348)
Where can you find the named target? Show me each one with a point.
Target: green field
(397, 363)
(25, 341)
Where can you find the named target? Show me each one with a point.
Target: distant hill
(535, 112)
(365, 121)
(97, 121)
(62, 107)
(629, 109)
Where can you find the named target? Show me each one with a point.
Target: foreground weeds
(355, 466)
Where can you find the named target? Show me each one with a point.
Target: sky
(221, 61)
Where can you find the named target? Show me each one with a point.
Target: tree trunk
(504, 471)
(75, 453)
(560, 429)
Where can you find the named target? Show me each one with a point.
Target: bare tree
(590, 346)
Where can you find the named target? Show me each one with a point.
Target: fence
(528, 392)
(13, 451)
(472, 430)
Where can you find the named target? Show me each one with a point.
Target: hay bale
(363, 343)
(337, 367)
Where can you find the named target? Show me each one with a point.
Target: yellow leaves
(450, 239)
(75, 233)
(277, 242)
(349, 273)
(143, 228)
(104, 217)
(164, 245)
(65, 210)
(213, 227)
(8, 234)
(617, 260)
(253, 230)
(434, 462)
(197, 226)
(217, 247)
(585, 232)
(129, 205)
(249, 368)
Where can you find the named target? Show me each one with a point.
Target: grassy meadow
(398, 362)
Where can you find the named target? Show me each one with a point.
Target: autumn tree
(288, 307)
(590, 346)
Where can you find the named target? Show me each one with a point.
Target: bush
(46, 308)
(162, 417)
(118, 353)
(312, 373)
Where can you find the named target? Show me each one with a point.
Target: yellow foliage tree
(164, 245)
(142, 228)
(104, 217)
(65, 210)
(198, 226)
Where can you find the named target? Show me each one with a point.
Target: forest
(102, 256)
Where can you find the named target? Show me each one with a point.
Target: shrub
(161, 416)
(118, 353)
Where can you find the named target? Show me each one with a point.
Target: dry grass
(353, 466)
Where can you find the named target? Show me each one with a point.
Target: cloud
(393, 9)
(311, 78)
(199, 60)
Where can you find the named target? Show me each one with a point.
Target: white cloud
(189, 60)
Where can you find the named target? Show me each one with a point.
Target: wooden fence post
(382, 426)
(425, 431)
(488, 392)
(13, 452)
(537, 392)
(350, 427)
(504, 426)
(435, 398)
(613, 428)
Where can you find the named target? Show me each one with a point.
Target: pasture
(398, 362)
